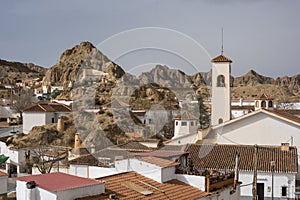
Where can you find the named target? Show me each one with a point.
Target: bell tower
(221, 100)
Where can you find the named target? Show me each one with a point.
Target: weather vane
(222, 43)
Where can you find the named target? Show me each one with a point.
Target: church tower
(221, 100)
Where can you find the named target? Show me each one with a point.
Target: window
(176, 123)
(263, 104)
(284, 191)
(270, 104)
(256, 104)
(220, 81)
(183, 123)
(220, 121)
(192, 123)
(53, 120)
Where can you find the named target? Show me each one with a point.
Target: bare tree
(44, 158)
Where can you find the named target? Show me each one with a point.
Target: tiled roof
(89, 160)
(161, 153)
(58, 181)
(222, 157)
(284, 114)
(173, 189)
(185, 116)
(45, 106)
(163, 163)
(242, 108)
(180, 148)
(99, 157)
(133, 145)
(293, 111)
(221, 58)
(264, 97)
(3, 174)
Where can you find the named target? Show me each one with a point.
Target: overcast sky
(259, 35)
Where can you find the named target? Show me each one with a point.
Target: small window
(256, 104)
(183, 123)
(220, 121)
(220, 81)
(263, 104)
(270, 104)
(284, 191)
(176, 123)
(192, 123)
(53, 120)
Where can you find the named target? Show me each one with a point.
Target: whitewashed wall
(180, 130)
(187, 139)
(33, 119)
(81, 192)
(146, 169)
(37, 194)
(42, 194)
(195, 181)
(280, 180)
(15, 156)
(3, 184)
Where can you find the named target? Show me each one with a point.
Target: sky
(259, 35)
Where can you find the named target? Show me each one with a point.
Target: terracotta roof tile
(222, 157)
(221, 58)
(161, 153)
(263, 96)
(173, 189)
(45, 106)
(185, 116)
(58, 181)
(133, 146)
(163, 163)
(292, 111)
(3, 174)
(243, 108)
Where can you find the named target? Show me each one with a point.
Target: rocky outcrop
(11, 72)
(79, 57)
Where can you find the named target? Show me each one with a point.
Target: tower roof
(221, 58)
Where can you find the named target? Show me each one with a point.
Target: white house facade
(57, 186)
(43, 113)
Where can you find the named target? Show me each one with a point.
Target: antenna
(222, 43)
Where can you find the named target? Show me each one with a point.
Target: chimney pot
(285, 146)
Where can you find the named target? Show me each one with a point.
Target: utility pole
(272, 167)
(236, 170)
(254, 187)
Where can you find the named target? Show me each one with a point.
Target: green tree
(203, 113)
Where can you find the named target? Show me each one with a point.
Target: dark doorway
(260, 191)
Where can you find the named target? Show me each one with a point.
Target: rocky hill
(282, 89)
(11, 72)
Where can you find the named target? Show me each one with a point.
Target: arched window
(270, 104)
(220, 81)
(263, 104)
(220, 121)
(256, 104)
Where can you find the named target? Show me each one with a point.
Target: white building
(158, 169)
(221, 157)
(14, 164)
(57, 186)
(221, 99)
(185, 124)
(3, 184)
(42, 113)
